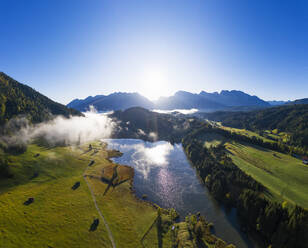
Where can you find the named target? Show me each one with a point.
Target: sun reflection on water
(164, 174)
(145, 156)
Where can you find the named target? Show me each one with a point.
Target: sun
(154, 83)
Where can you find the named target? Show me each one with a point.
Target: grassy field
(266, 135)
(212, 139)
(247, 133)
(215, 139)
(286, 177)
(128, 217)
(61, 216)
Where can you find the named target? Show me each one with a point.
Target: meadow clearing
(285, 176)
(61, 216)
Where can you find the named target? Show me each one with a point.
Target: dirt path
(99, 212)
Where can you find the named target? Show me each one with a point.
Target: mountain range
(114, 101)
(17, 99)
(204, 101)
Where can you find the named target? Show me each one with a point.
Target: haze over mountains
(17, 99)
(204, 101)
(114, 101)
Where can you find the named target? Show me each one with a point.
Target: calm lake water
(164, 174)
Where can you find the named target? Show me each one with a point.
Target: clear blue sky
(71, 49)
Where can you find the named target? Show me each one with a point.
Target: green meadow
(285, 177)
(247, 133)
(61, 216)
(212, 139)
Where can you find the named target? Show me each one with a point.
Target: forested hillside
(292, 119)
(276, 225)
(19, 99)
(147, 125)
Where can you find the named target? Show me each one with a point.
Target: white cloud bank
(73, 130)
(182, 111)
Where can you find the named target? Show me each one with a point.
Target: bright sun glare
(154, 83)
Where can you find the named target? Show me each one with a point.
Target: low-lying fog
(182, 111)
(73, 130)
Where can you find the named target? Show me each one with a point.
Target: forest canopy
(292, 119)
(17, 99)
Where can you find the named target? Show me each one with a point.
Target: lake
(164, 174)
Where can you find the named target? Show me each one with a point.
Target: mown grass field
(247, 133)
(61, 216)
(286, 177)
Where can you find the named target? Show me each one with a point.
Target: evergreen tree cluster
(292, 119)
(276, 225)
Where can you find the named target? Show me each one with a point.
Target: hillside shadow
(76, 186)
(260, 148)
(238, 224)
(86, 151)
(94, 225)
(94, 152)
(29, 201)
(201, 244)
(113, 181)
(91, 163)
(159, 237)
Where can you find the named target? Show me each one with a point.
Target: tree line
(272, 145)
(275, 224)
(292, 119)
(17, 99)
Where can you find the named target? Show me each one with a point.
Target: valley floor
(80, 198)
(61, 216)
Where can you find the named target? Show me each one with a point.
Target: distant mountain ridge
(278, 103)
(299, 101)
(19, 99)
(208, 102)
(234, 98)
(187, 100)
(114, 101)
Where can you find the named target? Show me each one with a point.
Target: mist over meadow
(60, 130)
